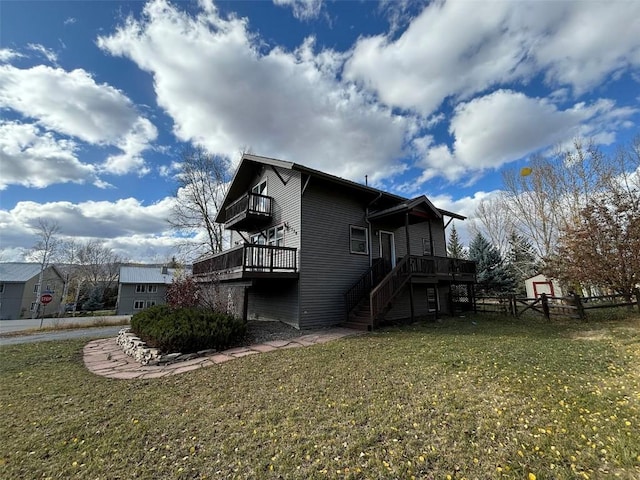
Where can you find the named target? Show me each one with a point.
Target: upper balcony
(249, 212)
(249, 261)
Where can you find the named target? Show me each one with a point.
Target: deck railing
(249, 203)
(249, 258)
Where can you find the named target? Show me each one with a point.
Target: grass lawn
(496, 399)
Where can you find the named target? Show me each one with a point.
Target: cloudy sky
(98, 98)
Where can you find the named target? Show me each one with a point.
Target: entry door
(387, 249)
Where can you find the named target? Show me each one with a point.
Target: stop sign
(46, 298)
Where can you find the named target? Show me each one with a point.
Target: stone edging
(137, 349)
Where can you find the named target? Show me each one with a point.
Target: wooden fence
(572, 306)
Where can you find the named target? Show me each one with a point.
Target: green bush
(187, 330)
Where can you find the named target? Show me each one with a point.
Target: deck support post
(406, 230)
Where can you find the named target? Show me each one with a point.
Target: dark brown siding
(327, 267)
(274, 300)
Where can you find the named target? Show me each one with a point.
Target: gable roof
(18, 272)
(420, 205)
(247, 168)
(150, 274)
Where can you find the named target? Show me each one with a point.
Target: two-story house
(313, 250)
(142, 286)
(20, 290)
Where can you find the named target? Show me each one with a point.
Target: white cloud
(457, 49)
(73, 104)
(33, 158)
(302, 9)
(134, 230)
(223, 93)
(6, 54)
(503, 126)
(47, 53)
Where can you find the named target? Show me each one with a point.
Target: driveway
(95, 332)
(31, 327)
(8, 326)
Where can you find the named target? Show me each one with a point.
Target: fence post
(579, 307)
(545, 306)
(514, 307)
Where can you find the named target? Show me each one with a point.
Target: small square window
(358, 240)
(152, 288)
(140, 288)
(138, 305)
(36, 288)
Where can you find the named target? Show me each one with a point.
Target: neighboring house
(314, 250)
(141, 287)
(20, 290)
(539, 284)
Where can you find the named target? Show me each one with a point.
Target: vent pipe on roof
(366, 180)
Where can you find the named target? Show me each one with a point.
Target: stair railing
(361, 288)
(389, 287)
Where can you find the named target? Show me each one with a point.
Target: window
(36, 288)
(258, 239)
(140, 288)
(152, 288)
(260, 189)
(138, 305)
(426, 247)
(259, 204)
(275, 236)
(149, 303)
(1, 287)
(34, 306)
(358, 240)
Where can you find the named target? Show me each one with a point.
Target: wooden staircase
(360, 317)
(375, 297)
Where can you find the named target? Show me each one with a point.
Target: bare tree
(43, 252)
(493, 220)
(532, 204)
(92, 263)
(202, 184)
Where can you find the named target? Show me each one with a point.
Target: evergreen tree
(493, 277)
(521, 261)
(95, 300)
(455, 249)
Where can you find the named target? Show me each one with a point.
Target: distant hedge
(187, 330)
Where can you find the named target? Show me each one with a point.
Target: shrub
(183, 293)
(187, 330)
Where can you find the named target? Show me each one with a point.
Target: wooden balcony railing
(249, 258)
(250, 204)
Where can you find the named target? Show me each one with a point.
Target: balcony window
(426, 247)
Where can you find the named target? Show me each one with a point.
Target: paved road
(96, 332)
(7, 326)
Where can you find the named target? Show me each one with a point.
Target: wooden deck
(248, 262)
